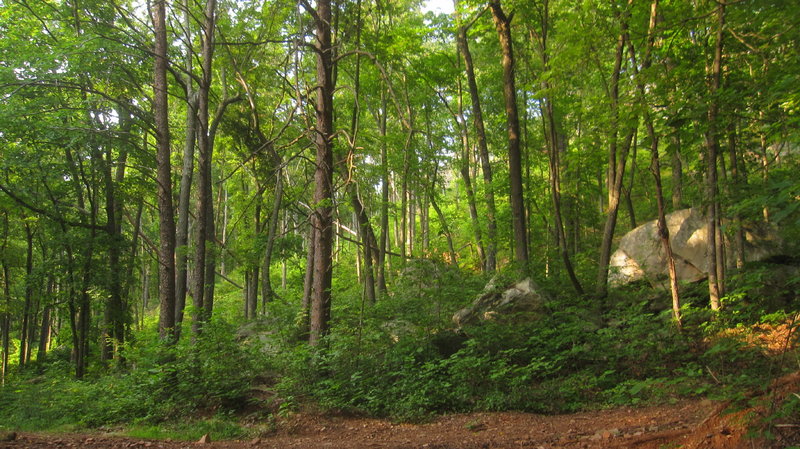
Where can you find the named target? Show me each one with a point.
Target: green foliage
(213, 373)
(559, 364)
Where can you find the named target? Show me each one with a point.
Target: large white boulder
(641, 256)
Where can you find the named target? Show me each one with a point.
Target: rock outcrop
(640, 255)
(494, 303)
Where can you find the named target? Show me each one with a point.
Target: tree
(321, 218)
(503, 25)
(166, 219)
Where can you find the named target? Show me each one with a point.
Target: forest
(217, 214)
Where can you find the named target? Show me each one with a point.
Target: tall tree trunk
(187, 171)
(166, 220)
(554, 150)
(655, 167)
(384, 218)
(322, 219)
(5, 321)
(483, 150)
(24, 339)
(711, 143)
(44, 335)
(627, 191)
(677, 171)
(738, 181)
(204, 249)
(308, 283)
(267, 293)
(503, 26)
(114, 315)
(616, 164)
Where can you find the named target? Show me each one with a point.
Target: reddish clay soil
(698, 424)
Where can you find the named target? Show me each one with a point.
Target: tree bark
(322, 219)
(187, 172)
(483, 151)
(384, 218)
(616, 167)
(204, 249)
(24, 343)
(711, 143)
(503, 26)
(166, 253)
(5, 321)
(655, 167)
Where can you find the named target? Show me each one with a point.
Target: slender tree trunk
(205, 246)
(483, 151)
(24, 343)
(616, 168)
(267, 293)
(114, 317)
(714, 283)
(445, 228)
(308, 283)
(166, 253)
(503, 26)
(738, 181)
(187, 171)
(677, 171)
(627, 191)
(384, 218)
(465, 176)
(5, 321)
(655, 167)
(554, 151)
(322, 219)
(44, 334)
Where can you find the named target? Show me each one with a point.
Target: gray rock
(640, 255)
(495, 304)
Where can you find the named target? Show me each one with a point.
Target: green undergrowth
(402, 359)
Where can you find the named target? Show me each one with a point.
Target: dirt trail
(696, 424)
(644, 428)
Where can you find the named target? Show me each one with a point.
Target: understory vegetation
(402, 359)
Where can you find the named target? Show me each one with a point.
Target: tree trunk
(483, 151)
(677, 171)
(738, 181)
(44, 335)
(308, 283)
(655, 167)
(503, 26)
(113, 335)
(554, 150)
(205, 246)
(711, 143)
(384, 219)
(616, 167)
(267, 293)
(166, 221)
(187, 171)
(322, 219)
(24, 339)
(5, 321)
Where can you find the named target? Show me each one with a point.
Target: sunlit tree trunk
(503, 26)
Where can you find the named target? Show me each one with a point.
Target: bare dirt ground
(698, 424)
